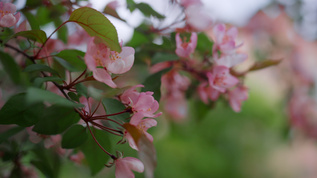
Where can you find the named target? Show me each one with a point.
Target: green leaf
(40, 80)
(40, 67)
(138, 39)
(162, 57)
(47, 161)
(62, 33)
(35, 95)
(71, 60)
(74, 137)
(81, 90)
(153, 83)
(73, 96)
(264, 64)
(204, 44)
(9, 133)
(96, 24)
(32, 20)
(35, 35)
(114, 106)
(94, 155)
(11, 67)
(148, 11)
(55, 120)
(17, 111)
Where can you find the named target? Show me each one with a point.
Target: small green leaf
(264, 64)
(81, 90)
(17, 111)
(62, 33)
(94, 155)
(47, 161)
(32, 20)
(40, 67)
(35, 35)
(204, 44)
(114, 106)
(138, 39)
(11, 67)
(74, 137)
(153, 83)
(148, 11)
(9, 133)
(71, 60)
(96, 24)
(40, 80)
(35, 95)
(73, 96)
(162, 57)
(55, 120)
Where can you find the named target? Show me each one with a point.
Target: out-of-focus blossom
(142, 125)
(49, 140)
(198, 18)
(78, 157)
(207, 92)
(124, 167)
(142, 103)
(79, 37)
(230, 60)
(103, 62)
(176, 107)
(224, 39)
(237, 96)
(7, 16)
(220, 78)
(187, 3)
(174, 86)
(184, 48)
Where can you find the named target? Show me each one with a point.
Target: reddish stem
(93, 136)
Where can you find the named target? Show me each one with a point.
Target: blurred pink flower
(184, 48)
(124, 167)
(142, 103)
(187, 3)
(230, 60)
(206, 92)
(102, 62)
(198, 18)
(224, 39)
(220, 78)
(142, 125)
(236, 96)
(7, 19)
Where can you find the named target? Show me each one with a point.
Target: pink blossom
(230, 60)
(198, 18)
(176, 107)
(183, 48)
(160, 66)
(103, 62)
(79, 37)
(124, 167)
(207, 92)
(187, 3)
(225, 39)
(142, 125)
(220, 78)
(7, 19)
(236, 96)
(142, 102)
(49, 140)
(120, 63)
(174, 83)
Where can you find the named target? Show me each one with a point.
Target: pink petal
(102, 75)
(7, 20)
(122, 170)
(134, 164)
(148, 123)
(123, 63)
(136, 118)
(9, 7)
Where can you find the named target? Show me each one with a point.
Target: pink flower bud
(124, 167)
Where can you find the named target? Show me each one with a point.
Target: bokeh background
(274, 134)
